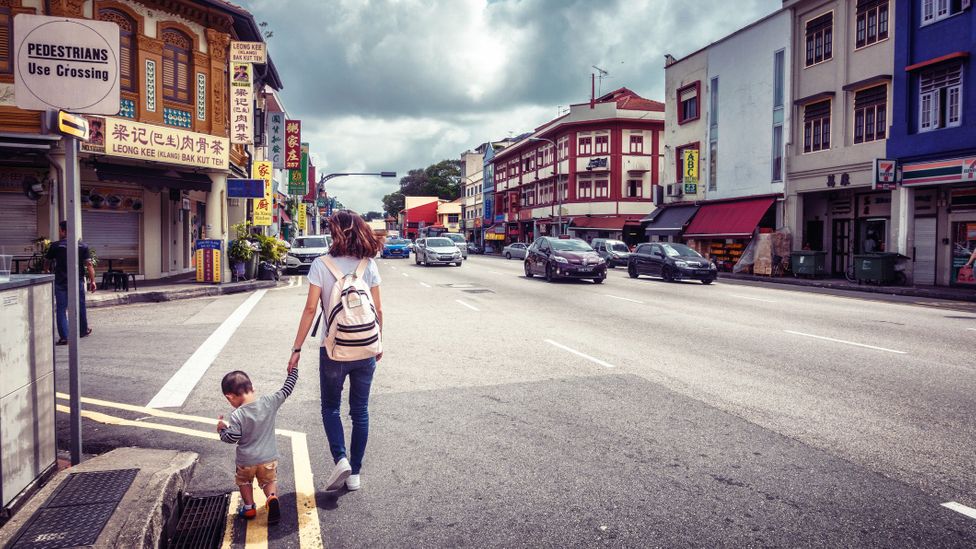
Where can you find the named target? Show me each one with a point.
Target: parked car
(437, 250)
(614, 252)
(516, 250)
(564, 258)
(304, 250)
(475, 249)
(395, 247)
(671, 262)
(460, 241)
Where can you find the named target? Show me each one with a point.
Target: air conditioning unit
(674, 189)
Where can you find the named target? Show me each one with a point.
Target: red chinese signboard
(293, 144)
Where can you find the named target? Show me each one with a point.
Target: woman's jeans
(332, 375)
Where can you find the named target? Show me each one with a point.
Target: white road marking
(577, 353)
(293, 282)
(960, 508)
(468, 305)
(425, 285)
(174, 393)
(846, 342)
(404, 274)
(624, 298)
(752, 298)
(971, 329)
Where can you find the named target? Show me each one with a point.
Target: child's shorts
(266, 473)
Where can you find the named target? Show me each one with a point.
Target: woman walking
(350, 263)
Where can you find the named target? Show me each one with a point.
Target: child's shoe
(247, 512)
(352, 483)
(274, 510)
(339, 474)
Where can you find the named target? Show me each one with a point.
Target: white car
(516, 250)
(304, 250)
(437, 250)
(459, 240)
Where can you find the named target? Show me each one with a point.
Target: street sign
(261, 211)
(248, 52)
(245, 188)
(70, 124)
(70, 64)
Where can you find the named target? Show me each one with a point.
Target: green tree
(413, 183)
(372, 216)
(393, 203)
(443, 180)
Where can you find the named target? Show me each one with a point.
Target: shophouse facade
(139, 215)
(933, 137)
(449, 215)
(729, 102)
(843, 62)
(472, 170)
(491, 235)
(608, 156)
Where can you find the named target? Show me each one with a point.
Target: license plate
(702, 272)
(585, 269)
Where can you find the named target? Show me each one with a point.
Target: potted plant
(241, 252)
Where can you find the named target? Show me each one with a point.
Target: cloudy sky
(398, 84)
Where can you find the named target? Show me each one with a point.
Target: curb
(182, 293)
(865, 288)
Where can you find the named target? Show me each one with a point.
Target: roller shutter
(113, 235)
(19, 226)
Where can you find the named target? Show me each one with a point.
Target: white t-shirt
(321, 276)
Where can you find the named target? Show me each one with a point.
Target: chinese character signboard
(297, 179)
(293, 144)
(208, 260)
(885, 174)
(276, 139)
(689, 174)
(301, 216)
(262, 209)
(164, 144)
(241, 107)
(69, 64)
(248, 52)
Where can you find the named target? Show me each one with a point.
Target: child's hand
(220, 424)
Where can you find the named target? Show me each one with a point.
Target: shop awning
(285, 218)
(670, 221)
(608, 223)
(728, 219)
(153, 178)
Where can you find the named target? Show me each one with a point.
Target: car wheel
(708, 281)
(666, 274)
(508, 255)
(416, 259)
(599, 280)
(528, 271)
(549, 276)
(632, 271)
(458, 263)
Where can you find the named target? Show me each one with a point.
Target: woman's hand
(293, 361)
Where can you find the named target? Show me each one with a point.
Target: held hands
(293, 361)
(220, 423)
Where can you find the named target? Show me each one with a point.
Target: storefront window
(874, 235)
(963, 253)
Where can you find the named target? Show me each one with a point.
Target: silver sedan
(516, 250)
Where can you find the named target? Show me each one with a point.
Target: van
(615, 252)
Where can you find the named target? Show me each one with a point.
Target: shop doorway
(814, 235)
(841, 245)
(924, 251)
(963, 246)
(872, 235)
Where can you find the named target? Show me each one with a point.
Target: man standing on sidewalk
(58, 254)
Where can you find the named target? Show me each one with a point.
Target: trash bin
(808, 263)
(877, 268)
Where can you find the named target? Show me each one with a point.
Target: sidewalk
(172, 288)
(931, 292)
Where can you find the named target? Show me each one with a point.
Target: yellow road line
(309, 527)
(235, 502)
(257, 529)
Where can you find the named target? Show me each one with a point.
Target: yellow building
(449, 215)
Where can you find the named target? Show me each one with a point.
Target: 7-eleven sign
(885, 174)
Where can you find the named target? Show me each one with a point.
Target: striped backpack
(352, 330)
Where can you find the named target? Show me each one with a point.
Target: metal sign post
(73, 193)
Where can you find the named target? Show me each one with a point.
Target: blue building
(933, 136)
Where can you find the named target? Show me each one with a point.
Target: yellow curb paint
(309, 529)
(112, 420)
(257, 529)
(235, 502)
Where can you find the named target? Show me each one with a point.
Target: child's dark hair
(236, 383)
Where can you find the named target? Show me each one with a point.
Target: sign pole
(73, 193)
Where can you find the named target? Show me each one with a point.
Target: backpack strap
(361, 268)
(333, 268)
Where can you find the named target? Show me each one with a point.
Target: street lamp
(559, 190)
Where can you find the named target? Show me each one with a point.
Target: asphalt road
(510, 412)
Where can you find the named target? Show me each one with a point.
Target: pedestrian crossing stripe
(309, 528)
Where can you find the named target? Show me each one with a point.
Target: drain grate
(201, 524)
(76, 514)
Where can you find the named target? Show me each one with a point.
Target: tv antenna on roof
(603, 74)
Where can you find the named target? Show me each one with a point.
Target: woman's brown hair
(351, 236)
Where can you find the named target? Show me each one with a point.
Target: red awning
(608, 223)
(729, 219)
(284, 217)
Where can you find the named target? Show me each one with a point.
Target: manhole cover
(479, 291)
(201, 525)
(75, 515)
(459, 285)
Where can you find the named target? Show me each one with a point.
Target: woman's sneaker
(274, 510)
(339, 474)
(352, 483)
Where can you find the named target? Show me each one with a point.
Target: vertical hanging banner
(293, 144)
(241, 103)
(312, 184)
(301, 216)
(262, 208)
(298, 179)
(276, 139)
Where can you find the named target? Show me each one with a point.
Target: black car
(564, 258)
(671, 262)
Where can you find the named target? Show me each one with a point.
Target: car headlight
(560, 259)
(600, 260)
(713, 266)
(680, 264)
